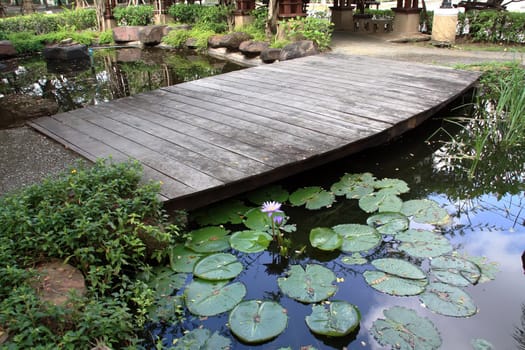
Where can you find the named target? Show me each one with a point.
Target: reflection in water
(113, 74)
(519, 332)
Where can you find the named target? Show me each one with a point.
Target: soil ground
(27, 157)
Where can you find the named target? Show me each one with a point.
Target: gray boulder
(252, 48)
(7, 49)
(232, 41)
(16, 109)
(298, 49)
(270, 55)
(214, 41)
(66, 53)
(126, 33)
(151, 35)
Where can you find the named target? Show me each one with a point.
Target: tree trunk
(273, 13)
(28, 7)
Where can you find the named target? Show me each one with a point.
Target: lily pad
(382, 202)
(489, 269)
(209, 239)
(183, 259)
(396, 277)
(354, 259)
(358, 238)
(455, 271)
(256, 220)
(354, 186)
(166, 309)
(391, 186)
(325, 238)
(209, 298)
(308, 286)
(425, 211)
(404, 329)
(388, 223)
(202, 339)
(337, 319)
(220, 266)
(250, 241)
(448, 300)
(231, 211)
(256, 321)
(165, 281)
(423, 244)
(274, 193)
(312, 197)
(481, 344)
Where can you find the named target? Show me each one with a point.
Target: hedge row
(493, 26)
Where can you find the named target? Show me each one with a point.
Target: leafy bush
(185, 13)
(177, 38)
(106, 37)
(315, 29)
(214, 18)
(39, 23)
(79, 19)
(141, 15)
(25, 42)
(98, 219)
(493, 26)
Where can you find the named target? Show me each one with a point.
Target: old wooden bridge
(216, 137)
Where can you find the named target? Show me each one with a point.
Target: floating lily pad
(250, 241)
(391, 186)
(231, 211)
(382, 202)
(274, 193)
(337, 319)
(202, 339)
(354, 186)
(220, 266)
(358, 238)
(256, 321)
(256, 220)
(165, 281)
(396, 277)
(423, 244)
(308, 286)
(209, 298)
(325, 238)
(425, 211)
(354, 259)
(388, 223)
(455, 271)
(209, 239)
(489, 269)
(448, 300)
(183, 259)
(312, 197)
(481, 344)
(404, 329)
(166, 308)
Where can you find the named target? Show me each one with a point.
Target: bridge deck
(216, 137)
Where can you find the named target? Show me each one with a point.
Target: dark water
(488, 214)
(110, 74)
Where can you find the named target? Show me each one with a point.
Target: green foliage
(141, 15)
(207, 18)
(98, 219)
(316, 29)
(493, 26)
(106, 37)
(85, 37)
(176, 38)
(29, 43)
(25, 42)
(39, 23)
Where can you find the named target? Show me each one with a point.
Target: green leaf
(256, 220)
(354, 186)
(396, 277)
(391, 186)
(183, 259)
(209, 298)
(489, 269)
(209, 239)
(481, 344)
(220, 266)
(165, 281)
(425, 211)
(354, 259)
(325, 238)
(312, 197)
(250, 241)
(380, 201)
(338, 320)
(308, 286)
(423, 244)
(358, 238)
(388, 223)
(202, 339)
(256, 321)
(455, 271)
(448, 300)
(404, 329)
(274, 193)
(227, 211)
(165, 309)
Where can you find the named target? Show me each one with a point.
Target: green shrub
(214, 18)
(79, 19)
(98, 219)
(493, 26)
(185, 13)
(39, 23)
(25, 42)
(106, 37)
(316, 29)
(176, 38)
(141, 15)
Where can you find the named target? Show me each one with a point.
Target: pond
(487, 216)
(111, 74)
